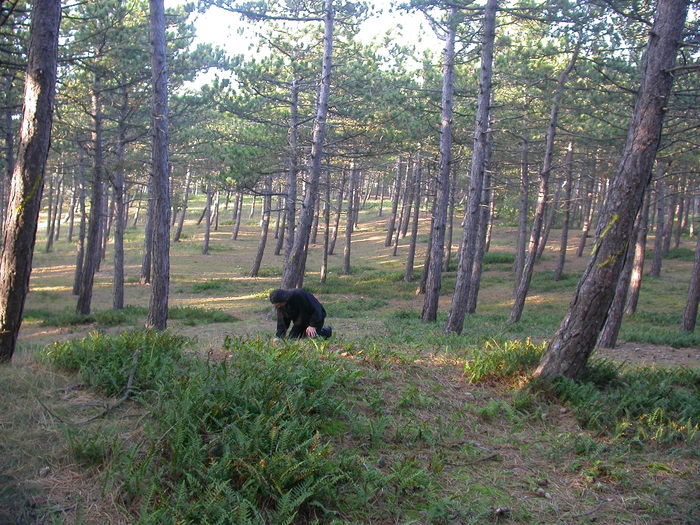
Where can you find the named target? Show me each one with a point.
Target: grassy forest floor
(416, 432)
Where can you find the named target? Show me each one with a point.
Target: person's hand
(311, 332)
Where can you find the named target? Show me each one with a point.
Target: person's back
(301, 309)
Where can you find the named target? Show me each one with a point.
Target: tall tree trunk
(82, 227)
(350, 218)
(410, 258)
(640, 245)
(587, 211)
(568, 351)
(327, 226)
(341, 190)
(471, 231)
(119, 205)
(521, 243)
(437, 239)
(295, 267)
(93, 244)
(147, 260)
(49, 215)
(481, 243)
(207, 221)
(395, 197)
(185, 203)
(291, 198)
(19, 233)
(9, 149)
(160, 283)
(660, 222)
(564, 242)
(690, 313)
(671, 203)
(264, 226)
(529, 265)
(239, 213)
(450, 220)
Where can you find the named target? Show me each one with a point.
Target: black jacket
(302, 309)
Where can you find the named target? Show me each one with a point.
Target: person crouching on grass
(303, 310)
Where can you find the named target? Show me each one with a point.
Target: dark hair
(280, 296)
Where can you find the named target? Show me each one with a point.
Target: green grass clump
(210, 285)
(500, 360)
(50, 318)
(646, 404)
(104, 362)
(239, 443)
(193, 316)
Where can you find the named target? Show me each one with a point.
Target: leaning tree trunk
(690, 313)
(264, 226)
(93, 245)
(568, 351)
(613, 322)
(529, 264)
(295, 267)
(471, 231)
(437, 239)
(160, 283)
(19, 234)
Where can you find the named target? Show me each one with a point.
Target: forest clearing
(497, 203)
(417, 440)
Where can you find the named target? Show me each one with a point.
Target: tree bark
(350, 219)
(472, 235)
(93, 249)
(587, 211)
(295, 267)
(568, 351)
(437, 240)
(160, 283)
(19, 233)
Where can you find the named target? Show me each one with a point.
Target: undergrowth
(647, 405)
(227, 444)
